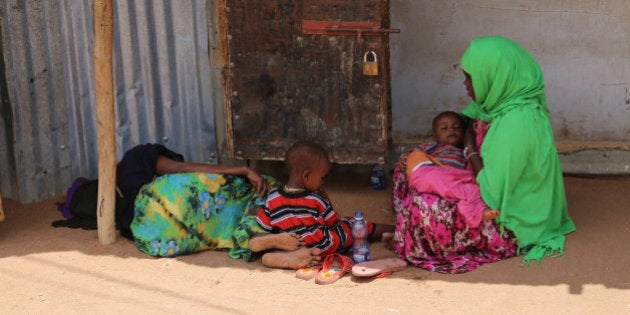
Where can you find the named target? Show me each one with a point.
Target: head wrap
(504, 76)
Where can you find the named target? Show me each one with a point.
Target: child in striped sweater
(301, 207)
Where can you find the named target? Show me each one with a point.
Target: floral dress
(178, 214)
(431, 234)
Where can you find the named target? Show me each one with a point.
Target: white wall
(583, 47)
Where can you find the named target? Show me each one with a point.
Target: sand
(61, 270)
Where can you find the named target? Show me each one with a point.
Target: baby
(440, 168)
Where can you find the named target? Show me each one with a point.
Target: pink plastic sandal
(335, 266)
(307, 273)
(378, 268)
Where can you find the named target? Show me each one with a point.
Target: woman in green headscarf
(517, 166)
(517, 169)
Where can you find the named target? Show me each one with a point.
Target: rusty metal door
(294, 70)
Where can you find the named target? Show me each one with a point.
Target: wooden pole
(105, 113)
(1, 211)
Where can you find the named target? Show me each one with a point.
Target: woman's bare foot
(284, 241)
(296, 259)
(490, 214)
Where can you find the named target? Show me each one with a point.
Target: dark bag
(80, 205)
(137, 167)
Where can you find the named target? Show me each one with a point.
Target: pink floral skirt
(432, 235)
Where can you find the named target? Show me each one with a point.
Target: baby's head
(448, 128)
(308, 163)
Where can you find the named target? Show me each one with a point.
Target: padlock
(370, 67)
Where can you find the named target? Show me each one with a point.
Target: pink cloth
(454, 185)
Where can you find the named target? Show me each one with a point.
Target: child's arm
(328, 233)
(331, 218)
(263, 219)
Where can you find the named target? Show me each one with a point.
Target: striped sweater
(309, 215)
(447, 154)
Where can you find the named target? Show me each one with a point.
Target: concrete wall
(582, 46)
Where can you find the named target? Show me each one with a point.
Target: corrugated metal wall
(48, 132)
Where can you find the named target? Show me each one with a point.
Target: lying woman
(517, 166)
(169, 208)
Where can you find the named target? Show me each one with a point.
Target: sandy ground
(60, 270)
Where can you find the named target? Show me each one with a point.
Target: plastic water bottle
(377, 177)
(360, 246)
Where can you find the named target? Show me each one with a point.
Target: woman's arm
(168, 166)
(470, 149)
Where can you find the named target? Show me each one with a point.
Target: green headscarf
(521, 176)
(504, 75)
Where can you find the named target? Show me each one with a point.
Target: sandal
(378, 268)
(307, 273)
(335, 266)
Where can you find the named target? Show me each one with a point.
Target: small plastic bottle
(377, 177)
(360, 245)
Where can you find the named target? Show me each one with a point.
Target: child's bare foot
(490, 214)
(284, 241)
(388, 240)
(296, 259)
(380, 230)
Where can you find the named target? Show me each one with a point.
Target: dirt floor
(60, 270)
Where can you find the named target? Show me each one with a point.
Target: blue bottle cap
(358, 215)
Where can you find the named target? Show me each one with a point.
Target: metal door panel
(285, 82)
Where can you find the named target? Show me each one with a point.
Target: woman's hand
(258, 181)
(165, 165)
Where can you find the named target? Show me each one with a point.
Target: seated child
(440, 168)
(301, 208)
